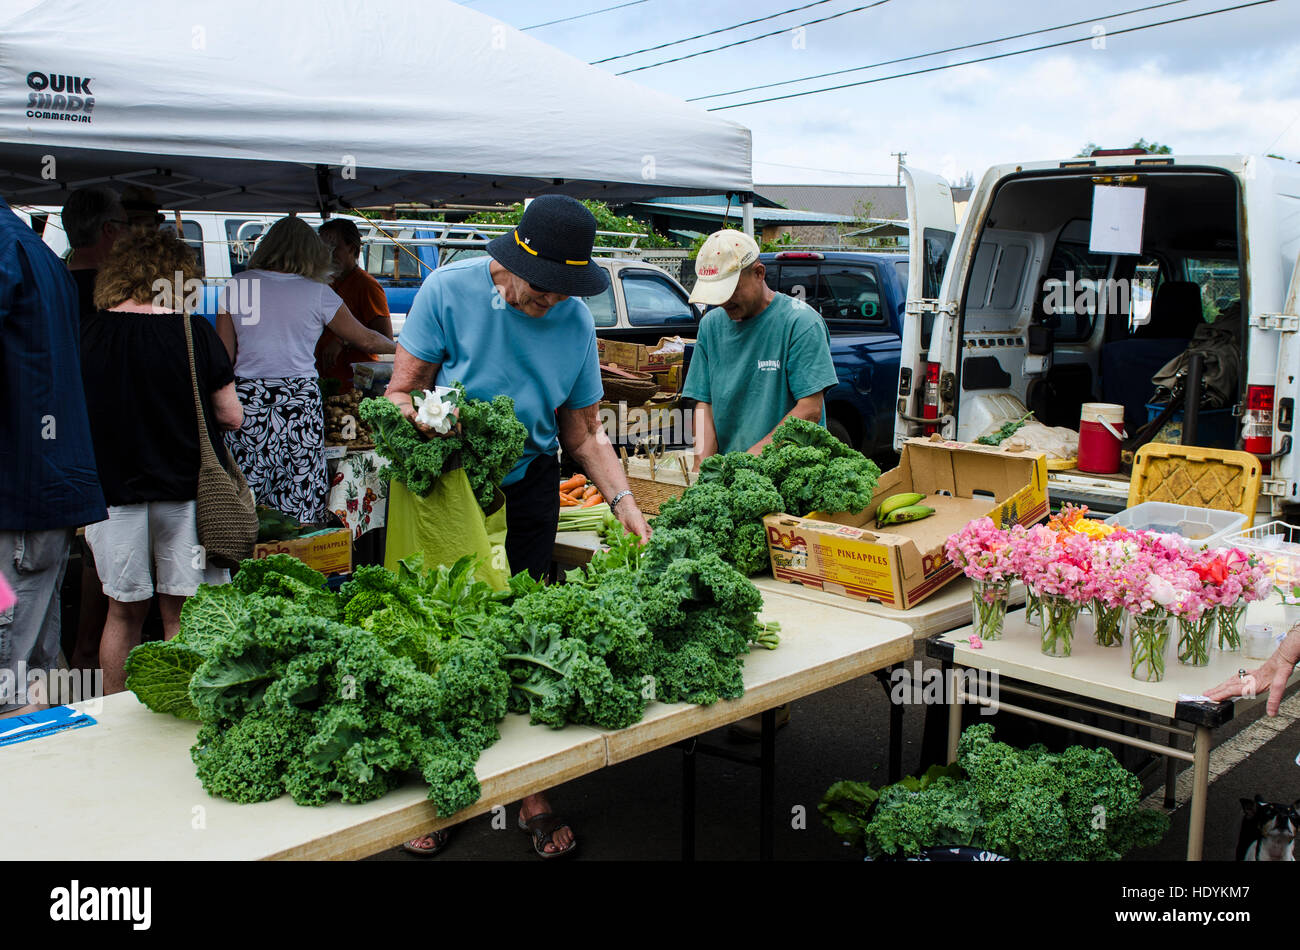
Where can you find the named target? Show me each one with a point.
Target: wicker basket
(650, 494)
(634, 392)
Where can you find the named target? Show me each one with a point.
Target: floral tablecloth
(359, 491)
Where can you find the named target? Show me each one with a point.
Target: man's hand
(1270, 677)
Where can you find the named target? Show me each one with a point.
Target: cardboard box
(901, 565)
(329, 552)
(636, 356)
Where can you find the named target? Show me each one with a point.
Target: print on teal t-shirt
(753, 372)
(459, 321)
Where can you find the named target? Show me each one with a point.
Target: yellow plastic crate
(1202, 478)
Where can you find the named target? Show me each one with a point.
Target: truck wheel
(837, 429)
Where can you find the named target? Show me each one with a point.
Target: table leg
(1200, 791)
(954, 713)
(885, 678)
(1171, 775)
(688, 801)
(767, 759)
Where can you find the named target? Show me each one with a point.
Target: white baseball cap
(717, 267)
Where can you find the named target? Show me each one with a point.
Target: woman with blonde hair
(271, 317)
(140, 396)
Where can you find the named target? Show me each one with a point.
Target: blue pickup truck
(862, 296)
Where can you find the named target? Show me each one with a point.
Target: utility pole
(900, 156)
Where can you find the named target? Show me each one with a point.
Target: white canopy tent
(327, 104)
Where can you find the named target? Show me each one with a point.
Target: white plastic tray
(1207, 526)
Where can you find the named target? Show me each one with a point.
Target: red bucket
(1101, 433)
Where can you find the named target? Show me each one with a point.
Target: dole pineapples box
(902, 564)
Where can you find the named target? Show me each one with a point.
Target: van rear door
(932, 228)
(1270, 410)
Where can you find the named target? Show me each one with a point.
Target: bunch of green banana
(767, 635)
(902, 507)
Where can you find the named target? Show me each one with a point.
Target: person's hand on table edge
(1269, 677)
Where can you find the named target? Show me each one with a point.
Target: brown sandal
(440, 840)
(541, 828)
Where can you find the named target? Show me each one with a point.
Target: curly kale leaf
(814, 471)
(577, 654)
(728, 508)
(1080, 804)
(489, 442)
(944, 813)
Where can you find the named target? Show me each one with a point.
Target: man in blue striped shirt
(48, 482)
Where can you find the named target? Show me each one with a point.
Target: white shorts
(151, 547)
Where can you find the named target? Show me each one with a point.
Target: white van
(1179, 241)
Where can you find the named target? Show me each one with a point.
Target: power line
(581, 16)
(752, 39)
(700, 36)
(985, 59)
(938, 52)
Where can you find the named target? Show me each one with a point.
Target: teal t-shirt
(753, 372)
(459, 321)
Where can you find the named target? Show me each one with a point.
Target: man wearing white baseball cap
(760, 356)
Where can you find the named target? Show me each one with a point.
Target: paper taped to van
(1117, 220)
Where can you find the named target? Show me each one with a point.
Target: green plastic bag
(447, 524)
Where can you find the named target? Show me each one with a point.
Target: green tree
(606, 220)
(1151, 148)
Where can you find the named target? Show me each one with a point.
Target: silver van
(1073, 281)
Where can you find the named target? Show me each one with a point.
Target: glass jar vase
(1194, 637)
(1148, 644)
(1229, 626)
(1109, 629)
(1033, 606)
(1059, 614)
(989, 607)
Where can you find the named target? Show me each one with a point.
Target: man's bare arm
(705, 434)
(809, 407)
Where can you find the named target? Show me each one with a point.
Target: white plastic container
(1207, 526)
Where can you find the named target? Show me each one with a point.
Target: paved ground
(632, 811)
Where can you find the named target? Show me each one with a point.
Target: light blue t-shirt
(459, 321)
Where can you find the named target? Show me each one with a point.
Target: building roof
(880, 201)
(715, 212)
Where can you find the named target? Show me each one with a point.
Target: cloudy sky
(1229, 82)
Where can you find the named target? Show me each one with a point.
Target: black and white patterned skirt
(281, 446)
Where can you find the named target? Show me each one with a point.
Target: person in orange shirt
(363, 296)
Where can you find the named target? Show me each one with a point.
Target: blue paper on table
(43, 722)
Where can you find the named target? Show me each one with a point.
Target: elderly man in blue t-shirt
(760, 356)
(509, 323)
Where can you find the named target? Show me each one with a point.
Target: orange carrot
(589, 491)
(568, 496)
(577, 481)
(593, 500)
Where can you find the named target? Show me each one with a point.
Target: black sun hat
(551, 248)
